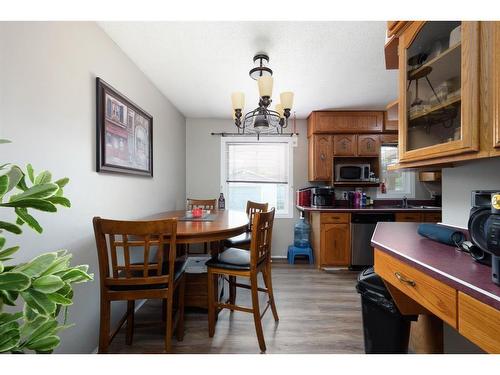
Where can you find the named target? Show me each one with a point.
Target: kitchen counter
(379, 208)
(430, 278)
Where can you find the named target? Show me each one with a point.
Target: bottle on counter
(357, 199)
(383, 188)
(363, 200)
(222, 202)
(301, 232)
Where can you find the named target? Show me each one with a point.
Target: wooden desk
(226, 224)
(426, 277)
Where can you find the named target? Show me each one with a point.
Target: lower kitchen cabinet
(335, 245)
(419, 217)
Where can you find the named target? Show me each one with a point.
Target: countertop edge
(461, 285)
(369, 209)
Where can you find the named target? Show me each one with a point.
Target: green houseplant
(43, 285)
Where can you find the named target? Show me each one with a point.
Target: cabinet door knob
(322, 157)
(404, 280)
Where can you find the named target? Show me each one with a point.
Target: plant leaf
(60, 200)
(4, 185)
(4, 141)
(37, 265)
(46, 344)
(41, 191)
(28, 219)
(28, 313)
(60, 264)
(9, 297)
(9, 340)
(1, 267)
(37, 204)
(2, 241)
(47, 284)
(9, 227)
(9, 317)
(39, 302)
(15, 174)
(29, 326)
(5, 254)
(14, 281)
(75, 275)
(62, 182)
(43, 330)
(60, 299)
(31, 173)
(43, 178)
(22, 184)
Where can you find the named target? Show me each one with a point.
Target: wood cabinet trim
(433, 295)
(469, 141)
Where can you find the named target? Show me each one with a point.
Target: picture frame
(124, 133)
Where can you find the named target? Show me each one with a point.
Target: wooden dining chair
(138, 260)
(206, 204)
(242, 263)
(243, 240)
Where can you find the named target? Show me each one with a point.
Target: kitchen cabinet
(432, 217)
(438, 93)
(345, 122)
(391, 117)
(416, 217)
(495, 92)
(368, 145)
(388, 138)
(344, 145)
(320, 158)
(335, 245)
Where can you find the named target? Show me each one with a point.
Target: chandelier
(262, 120)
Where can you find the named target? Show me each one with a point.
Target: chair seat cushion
(179, 268)
(242, 239)
(231, 259)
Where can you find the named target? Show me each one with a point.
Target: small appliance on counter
(484, 227)
(322, 197)
(352, 172)
(303, 197)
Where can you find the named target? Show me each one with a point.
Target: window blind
(257, 162)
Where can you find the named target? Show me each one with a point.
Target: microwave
(352, 172)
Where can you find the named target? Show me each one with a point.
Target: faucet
(404, 202)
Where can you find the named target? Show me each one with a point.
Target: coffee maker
(322, 197)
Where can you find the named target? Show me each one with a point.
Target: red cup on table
(197, 212)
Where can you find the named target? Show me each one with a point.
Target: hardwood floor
(320, 312)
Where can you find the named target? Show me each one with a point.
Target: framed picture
(124, 134)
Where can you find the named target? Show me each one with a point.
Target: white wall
(458, 183)
(47, 108)
(203, 169)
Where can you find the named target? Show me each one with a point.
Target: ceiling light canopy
(262, 119)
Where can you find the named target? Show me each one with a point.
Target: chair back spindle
(262, 232)
(119, 243)
(206, 204)
(252, 209)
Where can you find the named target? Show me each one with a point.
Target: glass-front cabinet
(439, 102)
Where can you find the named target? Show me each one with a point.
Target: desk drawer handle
(403, 279)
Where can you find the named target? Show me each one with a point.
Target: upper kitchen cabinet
(368, 145)
(344, 145)
(494, 28)
(345, 122)
(439, 89)
(320, 157)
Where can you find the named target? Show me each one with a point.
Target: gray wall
(203, 169)
(47, 108)
(458, 182)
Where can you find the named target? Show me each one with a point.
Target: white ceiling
(328, 65)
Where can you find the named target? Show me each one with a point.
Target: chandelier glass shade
(262, 120)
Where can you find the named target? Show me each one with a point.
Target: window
(399, 184)
(259, 171)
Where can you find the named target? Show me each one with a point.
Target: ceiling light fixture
(262, 120)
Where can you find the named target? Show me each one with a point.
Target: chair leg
(104, 324)
(180, 323)
(164, 309)
(211, 304)
(232, 290)
(168, 325)
(130, 322)
(256, 312)
(269, 285)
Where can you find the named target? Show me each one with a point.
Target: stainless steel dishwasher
(362, 228)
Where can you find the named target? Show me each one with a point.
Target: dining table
(215, 227)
